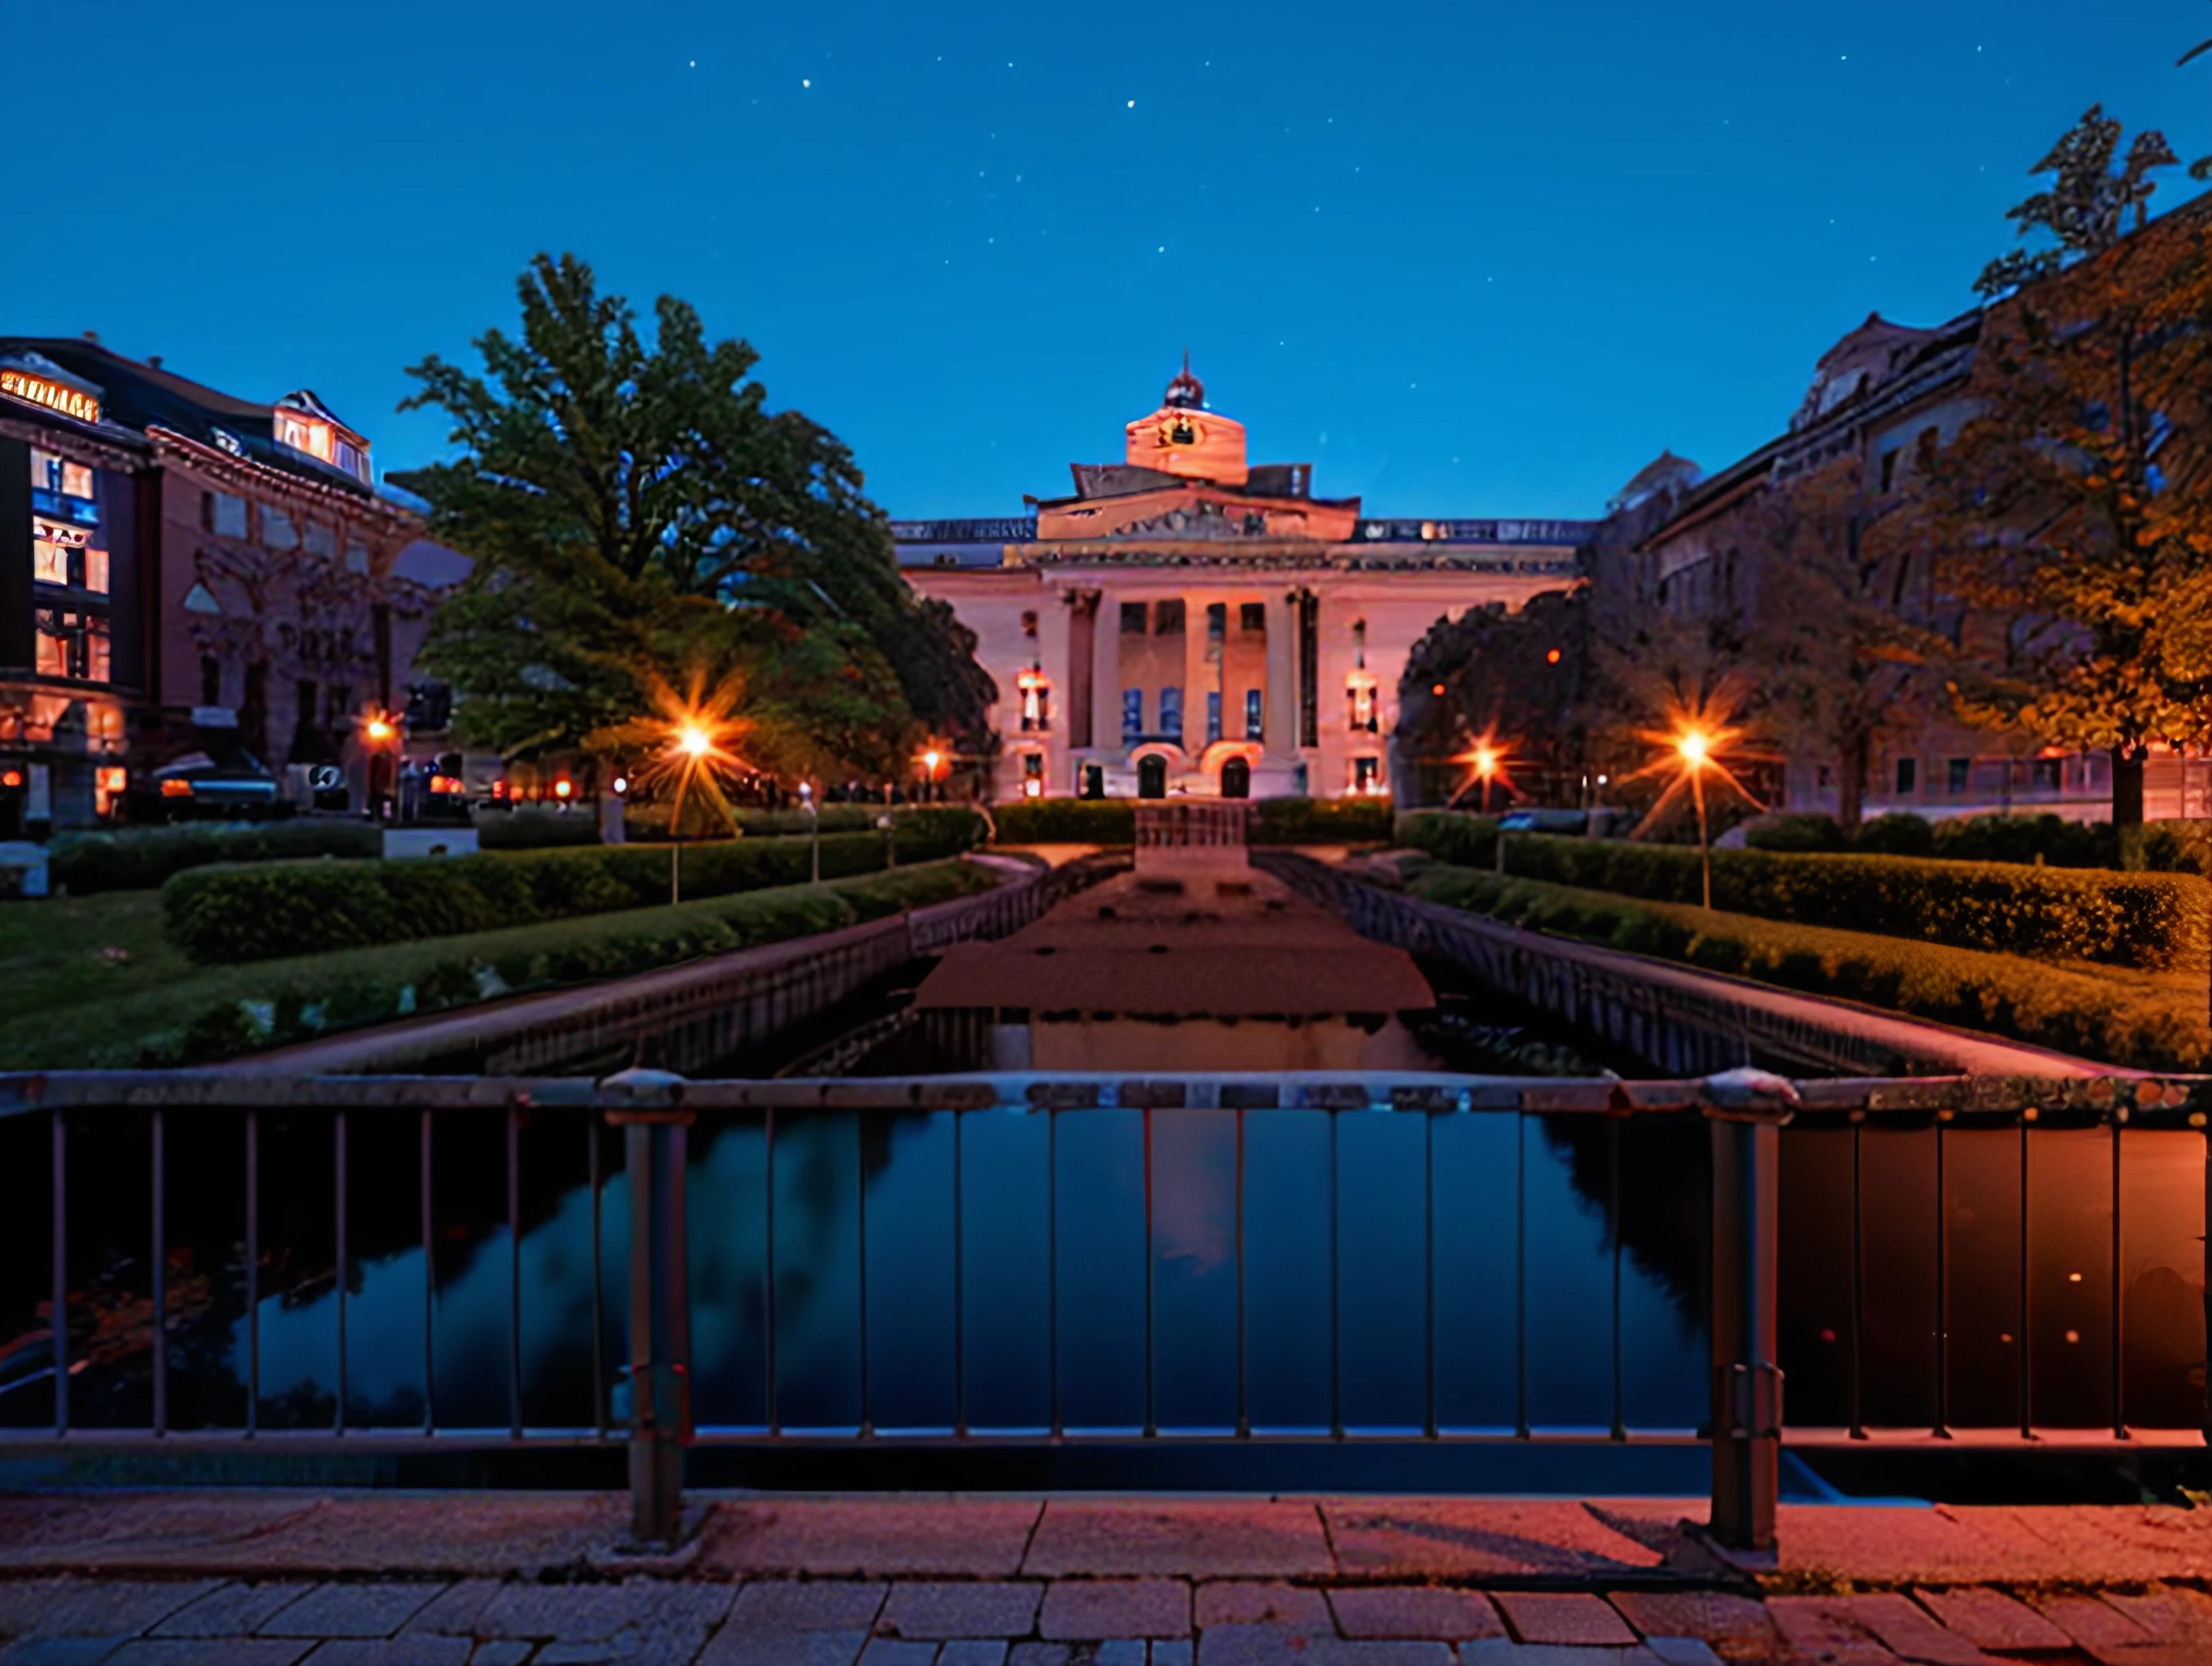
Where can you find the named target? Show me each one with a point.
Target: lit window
(1133, 712)
(95, 571)
(77, 480)
(1252, 715)
(1171, 713)
(1213, 715)
(45, 471)
(53, 647)
(49, 563)
(1367, 775)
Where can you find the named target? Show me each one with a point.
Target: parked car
(197, 785)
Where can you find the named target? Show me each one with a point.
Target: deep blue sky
(1468, 258)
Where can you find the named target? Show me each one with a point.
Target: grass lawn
(89, 983)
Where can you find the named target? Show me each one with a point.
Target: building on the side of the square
(1188, 622)
(180, 568)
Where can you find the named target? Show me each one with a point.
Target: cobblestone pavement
(177, 1579)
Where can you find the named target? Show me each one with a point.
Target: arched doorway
(1152, 776)
(1235, 778)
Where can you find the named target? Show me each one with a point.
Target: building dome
(1186, 392)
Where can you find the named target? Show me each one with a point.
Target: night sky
(1468, 259)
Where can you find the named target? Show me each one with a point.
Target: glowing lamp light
(621, 784)
(1693, 747)
(562, 789)
(930, 761)
(379, 730)
(695, 740)
(1438, 691)
(11, 778)
(173, 788)
(1033, 788)
(1486, 763)
(1553, 658)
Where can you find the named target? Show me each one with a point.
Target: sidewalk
(447, 1579)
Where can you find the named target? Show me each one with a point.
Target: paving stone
(416, 1651)
(119, 1531)
(891, 1651)
(453, 1611)
(208, 1652)
(1276, 1645)
(849, 1538)
(1123, 1652)
(1814, 1627)
(2093, 1625)
(1991, 1620)
(1682, 1650)
(1906, 1629)
(1262, 1603)
(60, 1651)
(817, 1605)
(451, 1534)
(1180, 1538)
(2172, 1613)
(1714, 1615)
(1568, 1617)
(593, 1613)
(632, 1646)
(1173, 1651)
(501, 1653)
(1408, 1611)
(1947, 1545)
(1467, 1538)
(975, 1609)
(735, 1647)
(974, 1651)
(351, 1610)
(233, 1610)
(1078, 1608)
(94, 1608)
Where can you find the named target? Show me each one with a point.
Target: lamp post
(379, 734)
(1695, 747)
(694, 743)
(814, 827)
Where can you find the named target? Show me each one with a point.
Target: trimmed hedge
(1066, 821)
(648, 823)
(2157, 922)
(222, 915)
(143, 858)
(2073, 1013)
(1449, 836)
(305, 999)
(1320, 821)
(1114, 821)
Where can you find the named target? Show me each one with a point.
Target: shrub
(2183, 846)
(2159, 923)
(2078, 1013)
(227, 915)
(1320, 821)
(648, 823)
(1067, 821)
(2028, 840)
(1898, 834)
(1796, 833)
(1449, 836)
(143, 858)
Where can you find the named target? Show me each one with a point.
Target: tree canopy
(640, 519)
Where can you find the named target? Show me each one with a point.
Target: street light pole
(813, 826)
(1693, 747)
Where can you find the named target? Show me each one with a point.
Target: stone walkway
(387, 1579)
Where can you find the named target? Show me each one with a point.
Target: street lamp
(1695, 747)
(814, 826)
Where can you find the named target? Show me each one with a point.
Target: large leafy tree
(2070, 512)
(639, 518)
(2087, 209)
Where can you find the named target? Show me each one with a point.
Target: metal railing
(1049, 1259)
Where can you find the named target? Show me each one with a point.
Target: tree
(2084, 210)
(2070, 513)
(639, 518)
(1516, 677)
(1839, 642)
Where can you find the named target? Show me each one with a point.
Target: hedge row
(2161, 847)
(1114, 821)
(1449, 836)
(2157, 922)
(222, 915)
(374, 986)
(2072, 1013)
(143, 858)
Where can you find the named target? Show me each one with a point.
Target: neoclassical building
(1187, 622)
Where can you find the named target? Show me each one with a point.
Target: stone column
(1196, 680)
(1278, 707)
(1106, 677)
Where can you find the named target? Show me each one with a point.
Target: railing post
(654, 1127)
(1746, 1109)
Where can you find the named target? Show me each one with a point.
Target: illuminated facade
(1188, 622)
(177, 565)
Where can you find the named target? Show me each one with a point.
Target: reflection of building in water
(1187, 622)
(1204, 969)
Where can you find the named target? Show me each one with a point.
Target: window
(72, 645)
(77, 480)
(1213, 714)
(1171, 712)
(1958, 774)
(1133, 618)
(1923, 448)
(49, 560)
(1908, 776)
(1167, 618)
(277, 531)
(1133, 714)
(1888, 470)
(210, 680)
(222, 514)
(321, 541)
(45, 471)
(1359, 698)
(1216, 620)
(1032, 775)
(1028, 624)
(356, 557)
(2047, 774)
(95, 570)
(1252, 715)
(1036, 711)
(1253, 616)
(1366, 775)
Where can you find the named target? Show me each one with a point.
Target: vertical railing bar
(2027, 1329)
(428, 1212)
(959, 1294)
(1520, 1273)
(1151, 1384)
(1335, 1333)
(60, 1323)
(1942, 1429)
(2119, 1315)
(1429, 1273)
(598, 1312)
(1858, 1279)
(339, 1166)
(1613, 1230)
(252, 1270)
(1051, 1260)
(768, 1172)
(860, 1216)
(1243, 1369)
(513, 1270)
(161, 1275)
